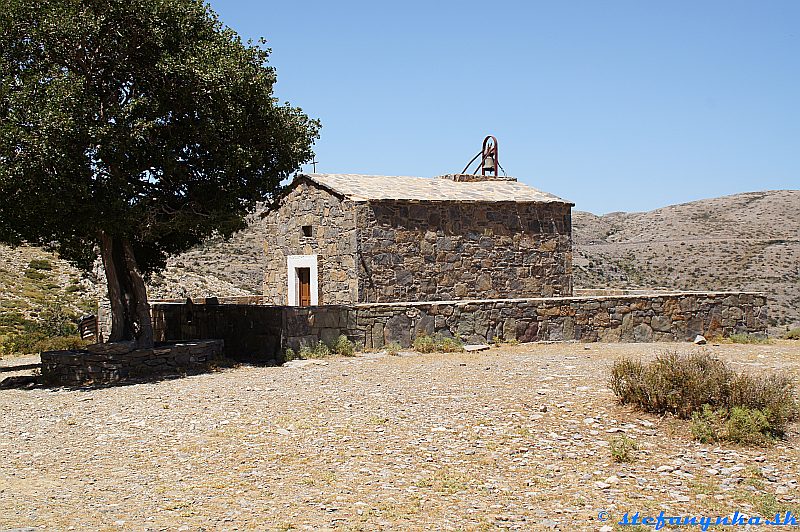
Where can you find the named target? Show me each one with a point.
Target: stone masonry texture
(450, 250)
(333, 238)
(263, 332)
(120, 361)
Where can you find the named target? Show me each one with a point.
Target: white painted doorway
(302, 280)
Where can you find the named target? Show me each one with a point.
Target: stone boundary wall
(624, 318)
(115, 362)
(262, 333)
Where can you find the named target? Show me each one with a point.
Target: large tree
(137, 128)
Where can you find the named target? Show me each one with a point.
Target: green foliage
(36, 275)
(147, 120)
(749, 426)
(12, 318)
(623, 448)
(54, 330)
(320, 350)
(705, 424)
(722, 403)
(424, 344)
(794, 334)
(393, 348)
(742, 425)
(56, 320)
(40, 264)
(344, 347)
(439, 344)
(449, 345)
(744, 338)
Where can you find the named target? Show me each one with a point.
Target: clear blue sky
(614, 105)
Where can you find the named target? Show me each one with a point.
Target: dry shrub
(706, 389)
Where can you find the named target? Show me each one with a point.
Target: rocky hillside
(216, 268)
(746, 241)
(36, 285)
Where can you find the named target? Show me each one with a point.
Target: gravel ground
(515, 437)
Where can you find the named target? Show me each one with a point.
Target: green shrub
(29, 343)
(40, 264)
(393, 348)
(749, 426)
(60, 343)
(344, 347)
(744, 338)
(438, 344)
(13, 318)
(449, 345)
(290, 355)
(424, 344)
(706, 425)
(742, 425)
(318, 351)
(794, 334)
(722, 403)
(623, 448)
(36, 275)
(55, 320)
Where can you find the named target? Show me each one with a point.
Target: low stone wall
(624, 318)
(110, 363)
(255, 332)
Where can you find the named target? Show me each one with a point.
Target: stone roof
(362, 188)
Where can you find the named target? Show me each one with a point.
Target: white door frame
(293, 262)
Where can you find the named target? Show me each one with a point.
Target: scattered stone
(470, 348)
(700, 340)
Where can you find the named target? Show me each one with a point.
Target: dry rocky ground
(510, 438)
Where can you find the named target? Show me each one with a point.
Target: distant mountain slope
(747, 241)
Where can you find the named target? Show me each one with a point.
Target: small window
(306, 230)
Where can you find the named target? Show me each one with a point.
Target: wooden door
(304, 287)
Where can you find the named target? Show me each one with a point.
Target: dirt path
(513, 438)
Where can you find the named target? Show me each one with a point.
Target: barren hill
(747, 241)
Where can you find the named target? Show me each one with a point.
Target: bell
(488, 163)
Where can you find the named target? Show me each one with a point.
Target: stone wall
(333, 239)
(111, 363)
(627, 318)
(264, 332)
(432, 251)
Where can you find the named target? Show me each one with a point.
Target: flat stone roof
(363, 188)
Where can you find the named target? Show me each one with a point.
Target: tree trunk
(130, 311)
(117, 332)
(140, 308)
